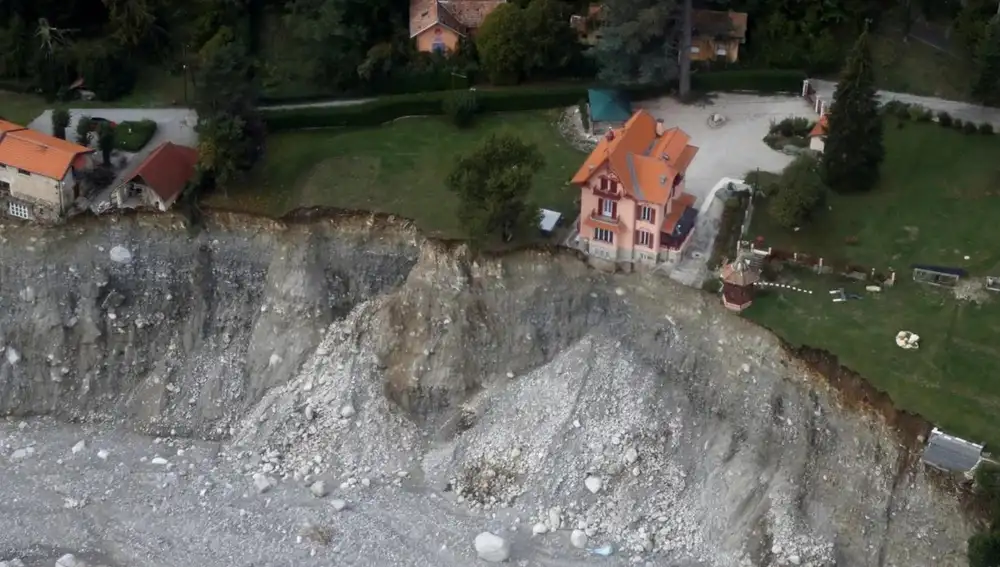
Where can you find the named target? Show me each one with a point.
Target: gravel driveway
(172, 124)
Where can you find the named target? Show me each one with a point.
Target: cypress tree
(986, 88)
(853, 152)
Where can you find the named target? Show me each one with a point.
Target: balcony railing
(599, 216)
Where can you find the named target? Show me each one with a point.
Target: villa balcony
(598, 216)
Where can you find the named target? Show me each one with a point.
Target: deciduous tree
(986, 87)
(639, 41)
(106, 142)
(503, 45)
(492, 184)
(797, 193)
(854, 152)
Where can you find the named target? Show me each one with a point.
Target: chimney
(659, 127)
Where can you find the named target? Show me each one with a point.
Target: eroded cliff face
(470, 394)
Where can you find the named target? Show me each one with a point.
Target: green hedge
(385, 109)
(133, 136)
(758, 80)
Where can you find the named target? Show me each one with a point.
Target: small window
(23, 171)
(695, 49)
(645, 238)
(608, 208)
(18, 210)
(4, 186)
(647, 214)
(604, 235)
(721, 52)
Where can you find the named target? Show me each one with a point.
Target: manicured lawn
(133, 136)
(398, 168)
(937, 203)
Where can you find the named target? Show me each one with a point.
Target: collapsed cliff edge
(346, 392)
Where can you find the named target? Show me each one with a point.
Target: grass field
(398, 168)
(917, 68)
(937, 202)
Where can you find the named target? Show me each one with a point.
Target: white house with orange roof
(38, 173)
(633, 207)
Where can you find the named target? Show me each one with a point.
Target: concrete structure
(717, 35)
(738, 281)
(609, 108)
(437, 26)
(633, 207)
(950, 454)
(38, 173)
(158, 180)
(817, 136)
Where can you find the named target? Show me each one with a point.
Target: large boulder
(492, 548)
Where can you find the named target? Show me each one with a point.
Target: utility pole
(685, 51)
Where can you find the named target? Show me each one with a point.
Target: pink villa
(633, 208)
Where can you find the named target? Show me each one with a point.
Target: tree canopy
(639, 41)
(986, 87)
(492, 183)
(853, 151)
(797, 193)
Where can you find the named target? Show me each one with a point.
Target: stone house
(633, 207)
(717, 35)
(39, 174)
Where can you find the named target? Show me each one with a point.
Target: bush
(792, 126)
(60, 121)
(759, 80)
(969, 128)
(957, 124)
(133, 136)
(799, 192)
(944, 119)
(984, 550)
(898, 109)
(83, 128)
(918, 113)
(385, 109)
(986, 128)
(460, 107)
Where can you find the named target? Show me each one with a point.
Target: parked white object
(907, 340)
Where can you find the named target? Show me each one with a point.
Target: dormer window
(609, 185)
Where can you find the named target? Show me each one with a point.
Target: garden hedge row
(385, 109)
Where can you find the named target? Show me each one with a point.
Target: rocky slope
(438, 396)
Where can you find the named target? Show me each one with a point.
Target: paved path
(316, 104)
(962, 110)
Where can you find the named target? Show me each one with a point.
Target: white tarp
(549, 220)
(907, 340)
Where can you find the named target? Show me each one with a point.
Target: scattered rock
(365, 482)
(19, 454)
(578, 538)
(80, 446)
(347, 411)
(70, 560)
(631, 455)
(593, 484)
(263, 483)
(318, 489)
(338, 504)
(12, 563)
(13, 357)
(539, 529)
(795, 560)
(274, 360)
(159, 461)
(120, 255)
(555, 518)
(492, 548)
(102, 455)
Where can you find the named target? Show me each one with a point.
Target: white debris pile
(332, 422)
(907, 340)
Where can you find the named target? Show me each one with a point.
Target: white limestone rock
(80, 446)
(70, 560)
(318, 489)
(492, 548)
(539, 529)
(263, 483)
(578, 538)
(347, 411)
(338, 504)
(593, 484)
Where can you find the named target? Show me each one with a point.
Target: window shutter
(652, 215)
(614, 210)
(600, 206)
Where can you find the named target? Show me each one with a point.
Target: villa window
(647, 214)
(645, 238)
(609, 208)
(604, 235)
(23, 171)
(18, 210)
(609, 185)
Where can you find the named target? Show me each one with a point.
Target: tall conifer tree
(854, 151)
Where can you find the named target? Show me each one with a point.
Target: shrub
(984, 550)
(944, 119)
(896, 108)
(918, 113)
(986, 128)
(133, 136)
(460, 107)
(800, 192)
(792, 126)
(969, 128)
(759, 80)
(60, 121)
(83, 129)
(384, 109)
(584, 114)
(957, 123)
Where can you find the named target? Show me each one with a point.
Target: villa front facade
(633, 206)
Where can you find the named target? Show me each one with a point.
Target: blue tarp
(608, 105)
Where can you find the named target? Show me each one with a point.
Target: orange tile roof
(460, 15)
(6, 126)
(820, 128)
(717, 23)
(168, 169)
(646, 164)
(39, 153)
(677, 208)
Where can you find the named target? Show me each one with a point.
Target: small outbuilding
(950, 454)
(609, 108)
(817, 136)
(738, 281)
(158, 180)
